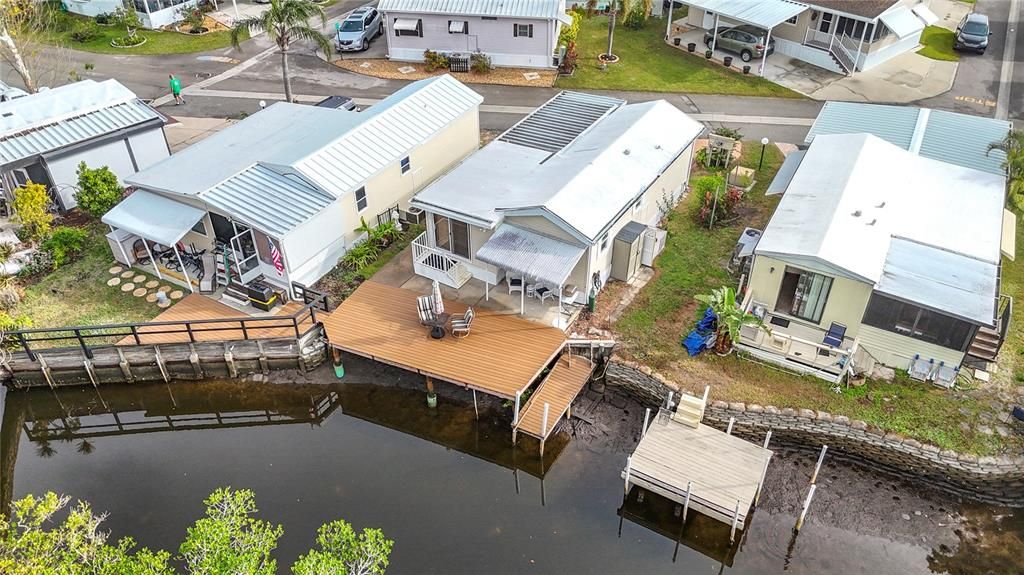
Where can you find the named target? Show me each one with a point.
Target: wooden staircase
(690, 410)
(554, 397)
(985, 344)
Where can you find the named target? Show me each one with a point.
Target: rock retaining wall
(996, 480)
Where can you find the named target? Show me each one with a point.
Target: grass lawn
(157, 41)
(694, 262)
(647, 63)
(938, 44)
(77, 294)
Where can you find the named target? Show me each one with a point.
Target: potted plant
(731, 318)
(707, 54)
(746, 69)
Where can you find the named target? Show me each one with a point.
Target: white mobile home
(152, 14)
(44, 136)
(522, 33)
(281, 194)
(561, 201)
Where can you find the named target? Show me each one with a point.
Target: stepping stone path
(177, 294)
(115, 270)
(164, 288)
(406, 70)
(152, 284)
(113, 281)
(139, 279)
(151, 298)
(163, 304)
(531, 76)
(127, 287)
(127, 274)
(139, 291)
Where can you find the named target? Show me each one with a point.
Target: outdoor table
(437, 325)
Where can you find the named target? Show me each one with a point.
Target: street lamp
(764, 143)
(263, 104)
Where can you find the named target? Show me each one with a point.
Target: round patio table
(437, 324)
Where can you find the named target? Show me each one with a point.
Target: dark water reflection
(447, 487)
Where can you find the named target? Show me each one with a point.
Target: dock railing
(89, 337)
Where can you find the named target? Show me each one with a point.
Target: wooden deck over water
(502, 354)
(558, 391)
(725, 470)
(197, 307)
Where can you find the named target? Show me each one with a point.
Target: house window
(406, 166)
(803, 294)
(488, 17)
(200, 228)
(792, 21)
(636, 206)
(408, 27)
(916, 322)
(451, 235)
(458, 27)
(522, 30)
(604, 242)
(361, 202)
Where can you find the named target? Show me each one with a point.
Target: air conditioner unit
(412, 216)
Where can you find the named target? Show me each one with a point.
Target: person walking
(176, 90)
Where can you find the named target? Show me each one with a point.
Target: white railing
(444, 267)
(818, 37)
(834, 43)
(847, 46)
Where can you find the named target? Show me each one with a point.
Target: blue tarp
(697, 340)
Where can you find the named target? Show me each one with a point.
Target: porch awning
(785, 174)
(763, 13)
(407, 24)
(925, 14)
(456, 26)
(902, 21)
(530, 254)
(153, 217)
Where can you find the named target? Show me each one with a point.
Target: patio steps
(563, 383)
(985, 344)
(837, 56)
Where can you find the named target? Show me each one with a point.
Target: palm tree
(1013, 146)
(286, 21)
(731, 318)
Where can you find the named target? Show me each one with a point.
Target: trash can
(691, 47)
(727, 61)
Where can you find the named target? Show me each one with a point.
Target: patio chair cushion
(425, 309)
(514, 284)
(543, 292)
(462, 325)
(834, 336)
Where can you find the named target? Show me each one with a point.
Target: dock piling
(161, 363)
(229, 360)
(728, 430)
(817, 466)
(46, 370)
(647, 418)
(767, 438)
(126, 368)
(629, 465)
(686, 503)
(476, 410)
(193, 358)
(544, 428)
(803, 510)
(735, 522)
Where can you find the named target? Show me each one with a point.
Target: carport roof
(763, 13)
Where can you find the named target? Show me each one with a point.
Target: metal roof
(946, 136)
(560, 120)
(630, 232)
(510, 8)
(153, 217)
(583, 187)
(530, 254)
(853, 194)
(902, 21)
(763, 13)
(273, 202)
(48, 121)
(785, 174)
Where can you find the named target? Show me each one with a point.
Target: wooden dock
(502, 354)
(708, 470)
(556, 393)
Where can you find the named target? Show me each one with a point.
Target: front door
(452, 235)
(709, 20)
(244, 255)
(825, 22)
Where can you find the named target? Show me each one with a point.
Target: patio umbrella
(438, 302)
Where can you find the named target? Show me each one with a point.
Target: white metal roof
(854, 193)
(273, 202)
(530, 254)
(335, 151)
(923, 12)
(763, 13)
(154, 217)
(902, 21)
(48, 121)
(785, 174)
(947, 136)
(584, 186)
(511, 8)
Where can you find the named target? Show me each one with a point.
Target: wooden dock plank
(558, 390)
(502, 354)
(199, 307)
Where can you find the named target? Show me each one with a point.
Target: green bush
(98, 190)
(104, 18)
(435, 60)
(31, 207)
(64, 244)
(361, 255)
(569, 33)
(84, 32)
(127, 41)
(480, 63)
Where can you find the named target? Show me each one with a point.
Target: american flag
(275, 255)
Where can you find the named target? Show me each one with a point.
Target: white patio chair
(460, 326)
(514, 284)
(425, 309)
(543, 293)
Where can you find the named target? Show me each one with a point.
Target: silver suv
(359, 29)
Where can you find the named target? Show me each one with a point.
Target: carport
(765, 14)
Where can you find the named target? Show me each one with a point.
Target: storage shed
(627, 251)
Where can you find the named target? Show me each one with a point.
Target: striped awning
(521, 252)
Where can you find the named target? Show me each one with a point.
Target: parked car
(338, 103)
(972, 33)
(747, 41)
(359, 29)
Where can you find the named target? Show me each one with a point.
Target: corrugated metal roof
(273, 202)
(902, 21)
(763, 13)
(941, 280)
(511, 8)
(48, 121)
(560, 120)
(154, 217)
(630, 232)
(392, 129)
(530, 254)
(945, 136)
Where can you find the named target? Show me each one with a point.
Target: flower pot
(691, 47)
(676, 41)
(727, 61)
(707, 54)
(746, 69)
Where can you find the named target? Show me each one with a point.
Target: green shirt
(175, 85)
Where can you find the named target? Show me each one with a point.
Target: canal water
(451, 491)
